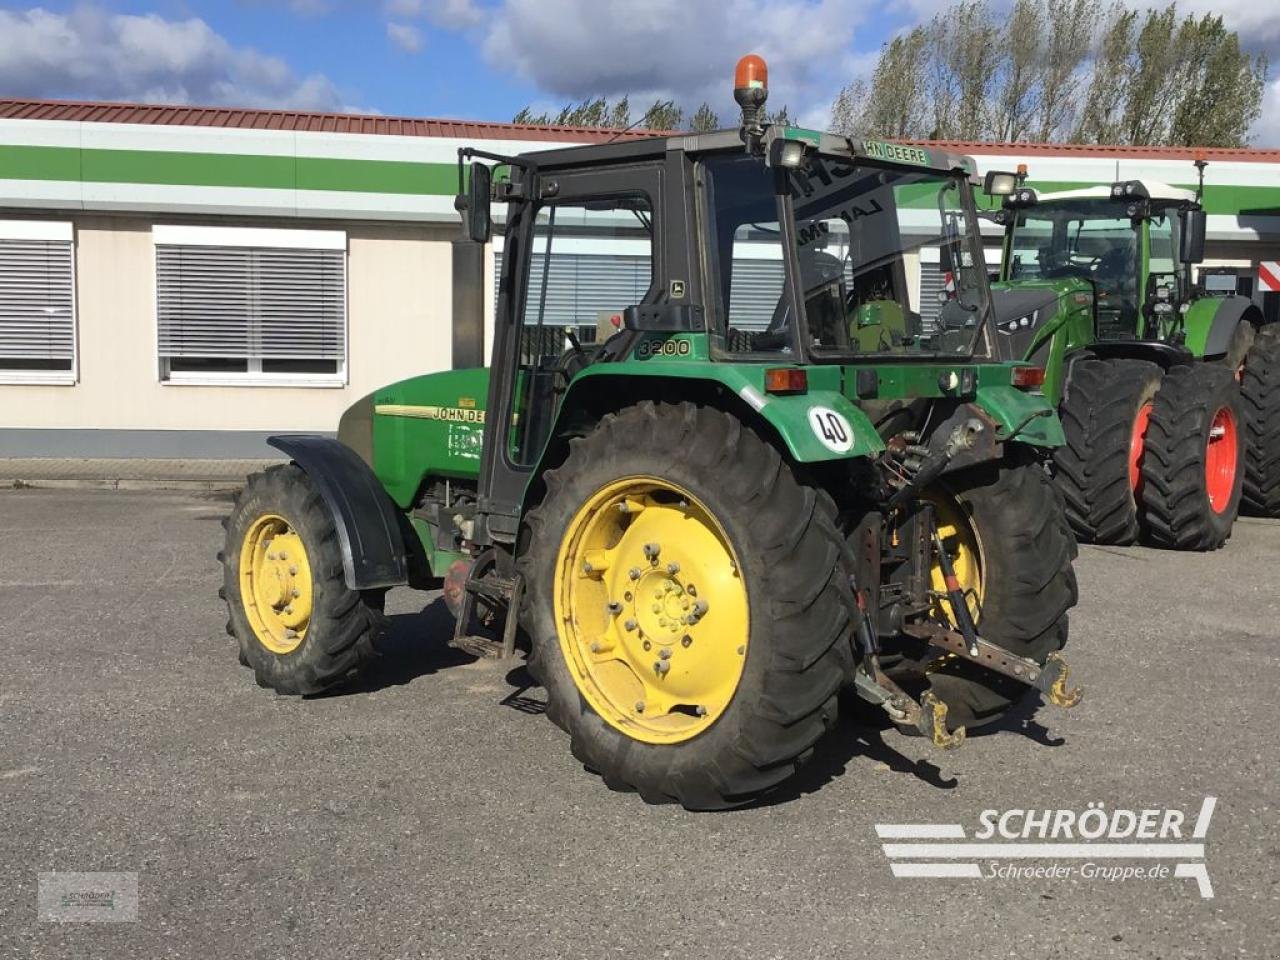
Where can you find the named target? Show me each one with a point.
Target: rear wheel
(1105, 415)
(1260, 392)
(300, 627)
(1003, 525)
(689, 614)
(1193, 471)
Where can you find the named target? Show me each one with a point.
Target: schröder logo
(1093, 844)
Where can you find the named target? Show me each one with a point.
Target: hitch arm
(1051, 679)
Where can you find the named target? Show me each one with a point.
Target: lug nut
(295, 593)
(630, 624)
(634, 573)
(673, 568)
(651, 551)
(288, 611)
(700, 608)
(639, 706)
(615, 606)
(662, 666)
(664, 653)
(686, 640)
(293, 571)
(657, 608)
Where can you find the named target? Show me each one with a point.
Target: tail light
(1027, 378)
(786, 380)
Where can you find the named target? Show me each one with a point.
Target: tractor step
(1050, 679)
(500, 593)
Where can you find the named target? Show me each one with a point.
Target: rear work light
(786, 380)
(1026, 378)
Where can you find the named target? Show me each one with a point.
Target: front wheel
(689, 612)
(300, 627)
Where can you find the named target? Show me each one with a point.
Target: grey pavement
(431, 811)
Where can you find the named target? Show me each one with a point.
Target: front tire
(1193, 471)
(299, 626)
(1260, 393)
(759, 685)
(1105, 416)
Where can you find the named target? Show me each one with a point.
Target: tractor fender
(1211, 325)
(367, 521)
(802, 421)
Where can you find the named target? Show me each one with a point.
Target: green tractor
(708, 509)
(1169, 396)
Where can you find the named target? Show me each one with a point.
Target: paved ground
(432, 812)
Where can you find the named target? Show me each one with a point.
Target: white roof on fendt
(1155, 190)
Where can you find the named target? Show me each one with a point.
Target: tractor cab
(1133, 242)
(767, 259)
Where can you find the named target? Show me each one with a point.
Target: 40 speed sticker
(831, 428)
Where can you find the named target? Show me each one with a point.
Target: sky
(478, 59)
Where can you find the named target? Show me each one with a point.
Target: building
(321, 245)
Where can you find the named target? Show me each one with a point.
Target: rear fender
(801, 421)
(367, 521)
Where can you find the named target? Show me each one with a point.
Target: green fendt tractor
(709, 507)
(1169, 397)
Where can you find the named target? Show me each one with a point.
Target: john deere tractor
(1170, 398)
(709, 503)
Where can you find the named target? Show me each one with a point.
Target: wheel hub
(1221, 459)
(653, 610)
(275, 584)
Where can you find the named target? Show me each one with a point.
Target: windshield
(889, 260)
(1093, 240)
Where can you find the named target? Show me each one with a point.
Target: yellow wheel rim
(960, 539)
(652, 610)
(275, 584)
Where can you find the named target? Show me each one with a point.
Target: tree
(892, 104)
(704, 119)
(1088, 70)
(599, 112)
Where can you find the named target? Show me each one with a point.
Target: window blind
(250, 302)
(37, 304)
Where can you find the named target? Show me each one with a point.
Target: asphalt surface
(432, 812)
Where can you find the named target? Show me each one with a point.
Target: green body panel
(1068, 330)
(431, 425)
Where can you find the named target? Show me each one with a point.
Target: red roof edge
(155, 114)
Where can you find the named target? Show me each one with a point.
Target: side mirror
(474, 204)
(1191, 246)
(999, 183)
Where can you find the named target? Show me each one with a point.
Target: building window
(37, 302)
(251, 306)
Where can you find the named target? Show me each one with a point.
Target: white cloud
(450, 14)
(93, 54)
(405, 36)
(1266, 132)
(682, 49)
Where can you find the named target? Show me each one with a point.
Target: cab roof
(876, 151)
(1156, 190)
